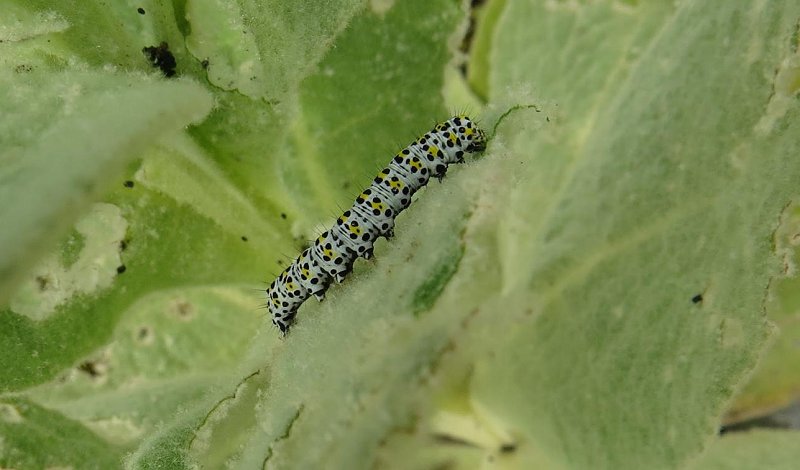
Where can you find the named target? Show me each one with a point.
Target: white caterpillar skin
(372, 215)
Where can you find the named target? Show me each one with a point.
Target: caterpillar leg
(441, 171)
(282, 325)
(341, 275)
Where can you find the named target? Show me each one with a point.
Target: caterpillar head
(472, 135)
(478, 143)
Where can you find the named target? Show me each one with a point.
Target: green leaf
(774, 384)
(588, 293)
(481, 50)
(264, 49)
(64, 136)
(657, 200)
(26, 426)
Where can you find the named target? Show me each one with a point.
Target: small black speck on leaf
(43, 282)
(121, 269)
(143, 333)
(508, 448)
(161, 58)
(140, 10)
(283, 216)
(244, 239)
(697, 298)
(128, 184)
(204, 63)
(90, 368)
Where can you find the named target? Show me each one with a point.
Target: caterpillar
(372, 215)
